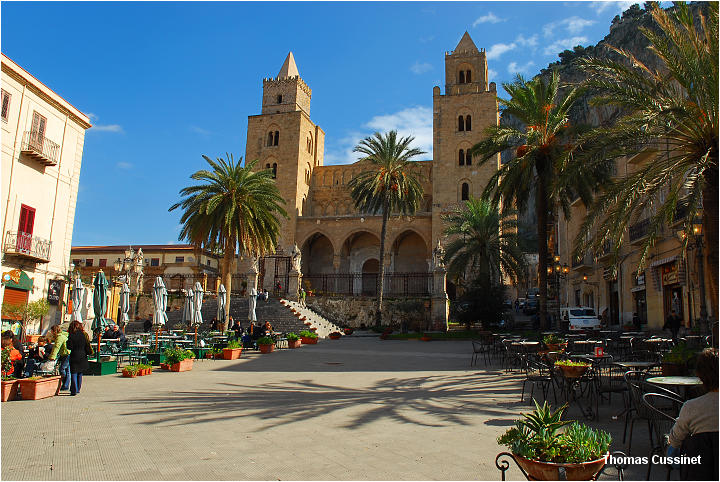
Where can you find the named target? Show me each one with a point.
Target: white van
(580, 318)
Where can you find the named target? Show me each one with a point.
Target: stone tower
(459, 118)
(284, 139)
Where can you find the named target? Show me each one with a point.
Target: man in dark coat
(673, 323)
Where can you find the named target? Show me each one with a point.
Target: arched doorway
(317, 263)
(410, 254)
(370, 270)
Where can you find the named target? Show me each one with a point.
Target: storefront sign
(54, 290)
(670, 274)
(17, 279)
(640, 279)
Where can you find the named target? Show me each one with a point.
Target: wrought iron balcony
(40, 148)
(638, 231)
(27, 246)
(583, 264)
(606, 250)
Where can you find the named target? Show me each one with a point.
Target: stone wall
(408, 313)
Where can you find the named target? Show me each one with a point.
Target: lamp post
(132, 266)
(697, 232)
(560, 271)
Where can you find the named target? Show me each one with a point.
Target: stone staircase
(277, 312)
(322, 326)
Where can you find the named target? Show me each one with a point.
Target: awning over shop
(663, 261)
(17, 279)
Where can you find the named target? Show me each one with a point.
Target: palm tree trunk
(710, 230)
(228, 257)
(381, 275)
(541, 208)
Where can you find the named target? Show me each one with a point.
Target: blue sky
(166, 82)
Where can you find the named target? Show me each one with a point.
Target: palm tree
(390, 185)
(672, 110)
(232, 208)
(485, 243)
(542, 148)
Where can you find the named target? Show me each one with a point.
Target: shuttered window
(27, 219)
(5, 105)
(37, 135)
(14, 296)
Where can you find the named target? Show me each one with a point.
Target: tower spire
(289, 69)
(466, 44)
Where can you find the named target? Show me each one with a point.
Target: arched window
(464, 192)
(468, 77)
(461, 157)
(468, 126)
(461, 123)
(461, 77)
(270, 138)
(267, 166)
(468, 158)
(279, 99)
(274, 168)
(277, 136)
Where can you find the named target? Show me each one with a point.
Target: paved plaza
(357, 408)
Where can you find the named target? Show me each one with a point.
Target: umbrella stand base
(102, 368)
(156, 358)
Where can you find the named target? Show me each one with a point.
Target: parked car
(580, 318)
(521, 303)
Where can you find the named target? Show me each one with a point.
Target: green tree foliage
(232, 208)
(391, 184)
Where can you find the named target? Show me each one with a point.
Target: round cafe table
(642, 365)
(680, 384)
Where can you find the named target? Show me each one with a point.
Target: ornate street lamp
(697, 232)
(132, 266)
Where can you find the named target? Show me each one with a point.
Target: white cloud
(527, 42)
(573, 25)
(498, 49)
(489, 18)
(564, 44)
(413, 121)
(514, 68)
(91, 116)
(107, 128)
(491, 75)
(600, 7)
(124, 165)
(427, 39)
(200, 130)
(421, 68)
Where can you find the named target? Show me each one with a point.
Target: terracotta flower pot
(9, 390)
(266, 348)
(573, 371)
(303, 318)
(425, 338)
(40, 388)
(294, 343)
(231, 353)
(165, 366)
(308, 341)
(551, 471)
(553, 346)
(182, 366)
(334, 337)
(348, 331)
(127, 374)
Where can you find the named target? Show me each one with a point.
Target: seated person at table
(108, 332)
(696, 429)
(237, 329)
(268, 329)
(117, 334)
(147, 325)
(38, 354)
(15, 355)
(247, 339)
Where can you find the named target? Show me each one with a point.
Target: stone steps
(323, 327)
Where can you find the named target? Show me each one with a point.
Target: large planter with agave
(542, 444)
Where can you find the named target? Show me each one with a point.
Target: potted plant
(179, 359)
(335, 335)
(266, 344)
(541, 443)
(232, 351)
(572, 369)
(293, 340)
(425, 337)
(308, 337)
(35, 388)
(214, 352)
(675, 362)
(130, 371)
(9, 383)
(348, 331)
(553, 342)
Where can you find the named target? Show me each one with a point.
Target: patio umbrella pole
(195, 335)
(98, 349)
(157, 333)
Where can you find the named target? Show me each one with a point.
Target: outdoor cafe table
(642, 365)
(677, 383)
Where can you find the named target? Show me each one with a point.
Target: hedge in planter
(35, 388)
(542, 443)
(293, 340)
(266, 344)
(179, 360)
(308, 337)
(9, 383)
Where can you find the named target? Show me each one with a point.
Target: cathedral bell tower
(284, 139)
(468, 106)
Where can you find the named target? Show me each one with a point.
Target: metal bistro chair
(537, 373)
(660, 406)
(480, 348)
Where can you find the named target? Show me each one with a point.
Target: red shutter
(27, 219)
(14, 296)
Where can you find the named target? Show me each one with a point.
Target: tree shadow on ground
(434, 401)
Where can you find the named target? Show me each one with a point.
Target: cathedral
(335, 241)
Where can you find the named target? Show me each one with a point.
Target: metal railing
(365, 284)
(639, 230)
(25, 244)
(586, 260)
(39, 145)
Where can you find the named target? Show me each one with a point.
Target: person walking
(673, 323)
(302, 297)
(79, 345)
(60, 353)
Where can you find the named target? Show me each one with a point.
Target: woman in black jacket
(79, 345)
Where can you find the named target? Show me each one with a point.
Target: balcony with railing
(38, 147)
(638, 231)
(606, 250)
(27, 246)
(585, 263)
